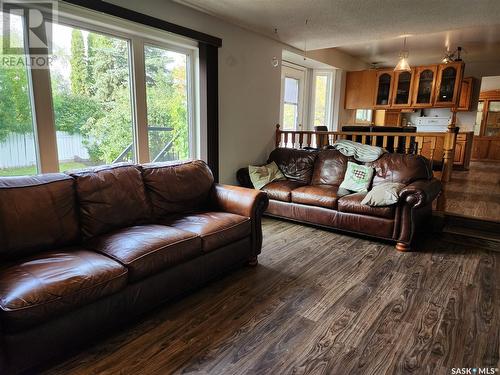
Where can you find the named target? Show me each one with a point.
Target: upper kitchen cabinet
(448, 83)
(424, 84)
(360, 89)
(383, 91)
(403, 83)
(465, 98)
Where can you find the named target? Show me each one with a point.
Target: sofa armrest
(243, 178)
(245, 202)
(240, 200)
(421, 192)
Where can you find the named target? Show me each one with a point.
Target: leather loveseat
(85, 252)
(310, 194)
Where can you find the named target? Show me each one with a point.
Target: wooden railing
(437, 147)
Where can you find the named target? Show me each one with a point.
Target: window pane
(320, 100)
(18, 154)
(290, 116)
(90, 75)
(291, 90)
(167, 103)
(363, 115)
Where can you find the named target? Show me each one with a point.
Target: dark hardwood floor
(322, 303)
(475, 192)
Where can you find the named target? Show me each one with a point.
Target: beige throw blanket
(360, 152)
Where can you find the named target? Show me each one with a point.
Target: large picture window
(120, 92)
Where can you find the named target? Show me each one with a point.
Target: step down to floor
(457, 228)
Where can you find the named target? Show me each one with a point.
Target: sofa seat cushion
(38, 288)
(316, 195)
(216, 229)
(281, 190)
(352, 204)
(148, 249)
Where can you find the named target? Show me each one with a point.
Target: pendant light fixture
(402, 64)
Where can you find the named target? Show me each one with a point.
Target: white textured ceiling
(370, 29)
(480, 44)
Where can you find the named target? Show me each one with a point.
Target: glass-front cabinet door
(384, 88)
(403, 81)
(449, 79)
(423, 88)
(492, 121)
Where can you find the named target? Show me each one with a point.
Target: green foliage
(78, 75)
(15, 106)
(108, 66)
(108, 136)
(72, 112)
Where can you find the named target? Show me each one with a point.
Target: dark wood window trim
(130, 15)
(209, 103)
(209, 77)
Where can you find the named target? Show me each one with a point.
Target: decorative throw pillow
(384, 194)
(261, 176)
(357, 177)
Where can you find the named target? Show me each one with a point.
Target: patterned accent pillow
(357, 177)
(261, 176)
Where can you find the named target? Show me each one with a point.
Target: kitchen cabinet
(360, 89)
(486, 148)
(448, 83)
(402, 92)
(424, 86)
(383, 89)
(463, 151)
(387, 117)
(465, 99)
(429, 86)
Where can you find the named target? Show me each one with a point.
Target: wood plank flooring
(475, 192)
(322, 303)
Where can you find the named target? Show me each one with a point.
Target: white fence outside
(18, 150)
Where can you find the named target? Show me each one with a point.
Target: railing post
(278, 136)
(449, 148)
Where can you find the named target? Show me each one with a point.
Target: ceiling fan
(450, 56)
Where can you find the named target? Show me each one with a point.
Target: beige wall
(249, 87)
(490, 83)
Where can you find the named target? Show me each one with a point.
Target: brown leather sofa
(84, 253)
(310, 194)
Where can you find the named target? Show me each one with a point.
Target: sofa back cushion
(296, 165)
(329, 168)
(177, 187)
(37, 213)
(400, 168)
(110, 197)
